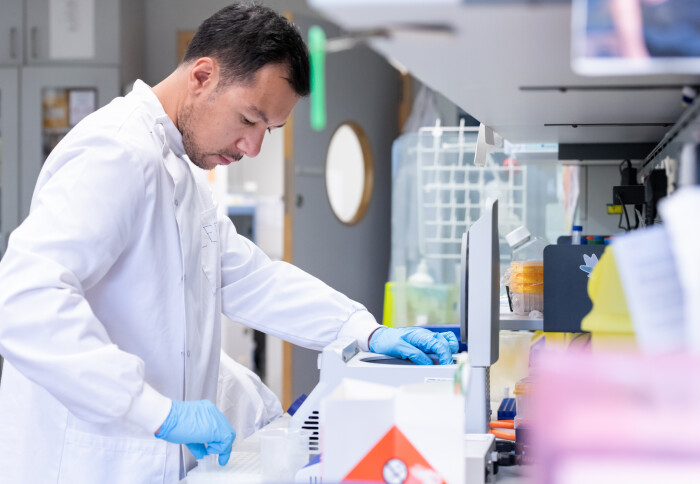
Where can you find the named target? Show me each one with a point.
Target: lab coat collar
(145, 94)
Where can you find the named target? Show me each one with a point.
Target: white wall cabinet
(41, 79)
(28, 27)
(37, 136)
(11, 32)
(30, 125)
(102, 27)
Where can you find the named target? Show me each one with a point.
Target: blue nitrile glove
(413, 343)
(201, 426)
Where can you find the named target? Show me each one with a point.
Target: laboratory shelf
(517, 322)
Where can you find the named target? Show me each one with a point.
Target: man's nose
(251, 143)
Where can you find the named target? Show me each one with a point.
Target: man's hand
(414, 343)
(201, 426)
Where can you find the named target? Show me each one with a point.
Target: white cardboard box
(413, 433)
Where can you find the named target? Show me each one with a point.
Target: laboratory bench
(244, 464)
(243, 457)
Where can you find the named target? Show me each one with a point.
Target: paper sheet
(679, 213)
(647, 269)
(71, 29)
(81, 102)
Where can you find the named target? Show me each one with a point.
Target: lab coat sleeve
(83, 216)
(280, 299)
(244, 399)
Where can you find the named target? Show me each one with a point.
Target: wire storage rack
(452, 191)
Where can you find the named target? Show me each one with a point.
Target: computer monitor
(620, 37)
(479, 292)
(479, 311)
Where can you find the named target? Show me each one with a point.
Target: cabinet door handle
(35, 43)
(13, 42)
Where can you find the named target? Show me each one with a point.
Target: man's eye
(247, 121)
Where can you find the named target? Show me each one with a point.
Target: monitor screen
(620, 37)
(479, 294)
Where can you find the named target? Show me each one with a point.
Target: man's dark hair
(245, 37)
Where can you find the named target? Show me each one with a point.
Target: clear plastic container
(512, 364)
(522, 392)
(282, 453)
(526, 271)
(523, 415)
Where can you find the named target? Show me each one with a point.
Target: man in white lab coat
(111, 290)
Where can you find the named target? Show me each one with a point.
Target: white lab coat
(111, 294)
(244, 399)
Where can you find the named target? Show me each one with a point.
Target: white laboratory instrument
(478, 449)
(343, 359)
(479, 320)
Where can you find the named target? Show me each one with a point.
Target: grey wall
(132, 40)
(360, 86)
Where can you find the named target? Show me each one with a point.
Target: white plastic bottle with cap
(421, 276)
(576, 232)
(526, 271)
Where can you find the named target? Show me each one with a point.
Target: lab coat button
(177, 202)
(188, 353)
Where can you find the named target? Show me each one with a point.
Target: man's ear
(203, 75)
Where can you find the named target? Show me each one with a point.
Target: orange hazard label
(394, 460)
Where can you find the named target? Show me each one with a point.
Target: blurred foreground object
(609, 321)
(610, 418)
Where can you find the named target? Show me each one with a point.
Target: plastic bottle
(421, 276)
(526, 271)
(419, 284)
(576, 232)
